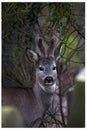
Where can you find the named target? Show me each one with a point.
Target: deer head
(45, 62)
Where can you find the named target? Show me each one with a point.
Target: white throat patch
(50, 89)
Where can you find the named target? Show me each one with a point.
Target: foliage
(11, 117)
(18, 15)
(78, 106)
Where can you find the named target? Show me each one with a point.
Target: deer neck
(45, 98)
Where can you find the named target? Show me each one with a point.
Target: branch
(78, 31)
(60, 101)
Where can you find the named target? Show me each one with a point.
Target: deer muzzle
(48, 80)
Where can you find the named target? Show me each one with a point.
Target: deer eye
(41, 68)
(54, 68)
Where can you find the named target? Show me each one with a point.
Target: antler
(40, 46)
(52, 46)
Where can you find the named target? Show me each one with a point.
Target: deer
(34, 102)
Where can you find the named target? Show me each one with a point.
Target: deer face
(45, 61)
(46, 73)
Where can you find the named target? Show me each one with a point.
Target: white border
(0, 62)
(85, 51)
(85, 63)
(43, 1)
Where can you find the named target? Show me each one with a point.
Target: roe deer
(33, 102)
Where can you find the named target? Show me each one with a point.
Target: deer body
(33, 103)
(31, 107)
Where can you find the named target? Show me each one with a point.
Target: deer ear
(52, 46)
(58, 51)
(40, 46)
(31, 55)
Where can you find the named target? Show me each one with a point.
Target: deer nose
(48, 79)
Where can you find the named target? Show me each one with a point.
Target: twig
(78, 31)
(60, 101)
